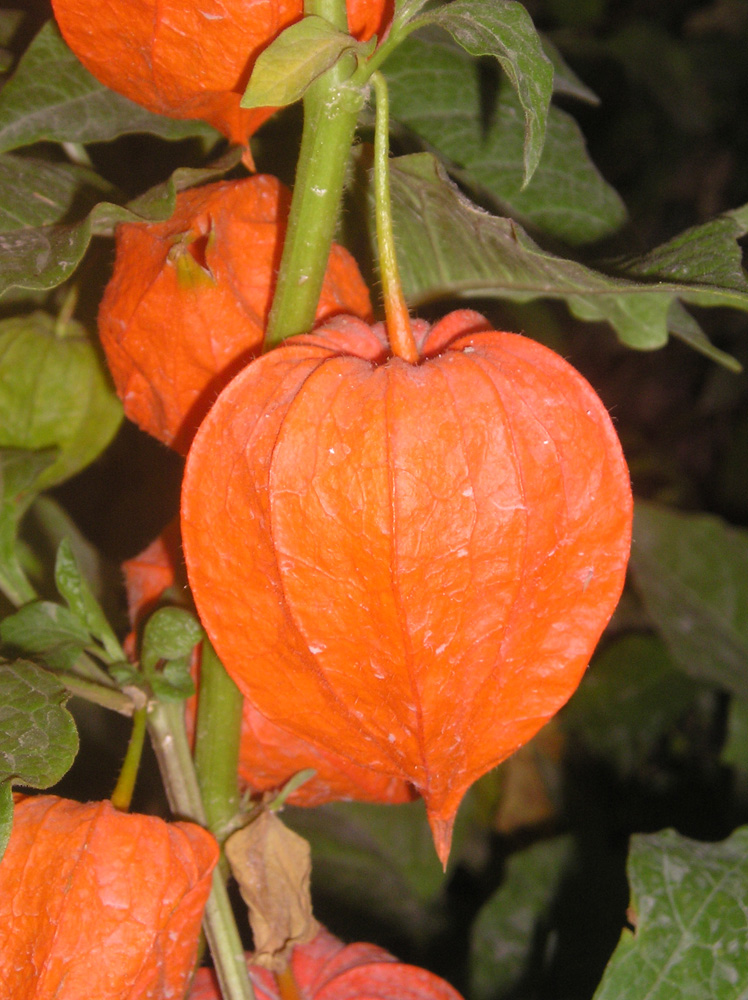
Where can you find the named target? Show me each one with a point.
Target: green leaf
(20, 474)
(449, 247)
(503, 29)
(436, 92)
(691, 571)
(631, 696)
(285, 69)
(6, 815)
(54, 392)
(44, 257)
(47, 632)
(691, 936)
(51, 97)
(74, 588)
(36, 193)
(504, 936)
(169, 637)
(38, 738)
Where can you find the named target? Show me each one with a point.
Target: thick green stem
(331, 108)
(219, 723)
(167, 730)
(122, 794)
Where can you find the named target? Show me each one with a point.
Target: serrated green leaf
(630, 697)
(300, 54)
(6, 815)
(21, 471)
(54, 392)
(691, 934)
(691, 571)
(449, 247)
(38, 738)
(436, 92)
(75, 590)
(503, 29)
(51, 97)
(47, 632)
(44, 257)
(36, 193)
(504, 934)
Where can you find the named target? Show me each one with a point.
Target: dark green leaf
(44, 257)
(51, 97)
(300, 54)
(74, 588)
(54, 392)
(36, 193)
(47, 632)
(38, 738)
(20, 474)
(631, 696)
(435, 90)
(449, 247)
(10, 21)
(169, 634)
(6, 815)
(691, 571)
(504, 934)
(173, 681)
(691, 936)
(503, 29)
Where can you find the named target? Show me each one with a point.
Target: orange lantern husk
(100, 903)
(408, 565)
(188, 301)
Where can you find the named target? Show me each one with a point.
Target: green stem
(169, 737)
(123, 791)
(217, 737)
(331, 108)
(399, 329)
(99, 694)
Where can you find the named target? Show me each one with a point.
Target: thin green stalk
(331, 108)
(123, 791)
(217, 736)
(169, 737)
(99, 694)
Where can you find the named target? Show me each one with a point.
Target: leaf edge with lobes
(505, 554)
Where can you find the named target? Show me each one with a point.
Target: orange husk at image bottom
(96, 903)
(268, 755)
(408, 565)
(327, 969)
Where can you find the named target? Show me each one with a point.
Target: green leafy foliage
(437, 91)
(54, 393)
(73, 587)
(34, 192)
(690, 936)
(38, 738)
(20, 473)
(503, 29)
(630, 698)
(691, 571)
(43, 257)
(449, 247)
(51, 97)
(48, 632)
(169, 637)
(299, 55)
(508, 930)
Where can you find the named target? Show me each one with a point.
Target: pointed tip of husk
(441, 831)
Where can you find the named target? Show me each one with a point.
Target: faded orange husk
(408, 565)
(187, 304)
(99, 903)
(190, 60)
(268, 755)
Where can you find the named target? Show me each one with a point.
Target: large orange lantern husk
(408, 564)
(326, 969)
(187, 304)
(268, 755)
(187, 59)
(96, 903)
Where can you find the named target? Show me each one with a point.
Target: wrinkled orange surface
(96, 903)
(408, 565)
(268, 755)
(188, 301)
(188, 59)
(326, 969)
